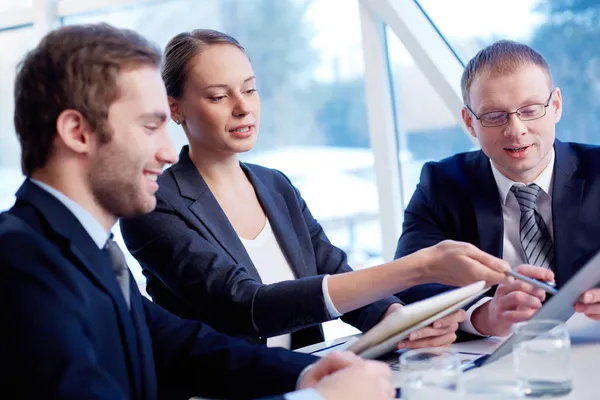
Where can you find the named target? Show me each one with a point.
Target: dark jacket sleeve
(332, 260)
(192, 359)
(422, 228)
(221, 291)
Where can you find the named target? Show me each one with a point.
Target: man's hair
(501, 57)
(182, 49)
(73, 67)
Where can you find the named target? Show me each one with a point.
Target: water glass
(429, 373)
(542, 358)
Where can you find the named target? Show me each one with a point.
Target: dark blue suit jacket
(68, 334)
(457, 198)
(198, 268)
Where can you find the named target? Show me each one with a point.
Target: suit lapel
(488, 210)
(567, 194)
(281, 222)
(208, 211)
(83, 252)
(147, 383)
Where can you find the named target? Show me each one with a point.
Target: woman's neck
(218, 170)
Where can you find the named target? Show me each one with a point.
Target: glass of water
(542, 358)
(429, 373)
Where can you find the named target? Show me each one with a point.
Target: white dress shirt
(99, 235)
(512, 251)
(272, 267)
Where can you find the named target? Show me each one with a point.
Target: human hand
(514, 301)
(589, 304)
(331, 363)
(441, 333)
(367, 380)
(459, 264)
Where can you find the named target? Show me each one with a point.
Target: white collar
(544, 180)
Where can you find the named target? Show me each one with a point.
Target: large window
(14, 43)
(566, 32)
(313, 123)
(426, 129)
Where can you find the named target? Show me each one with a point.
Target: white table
(585, 352)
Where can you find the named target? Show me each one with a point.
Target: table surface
(585, 353)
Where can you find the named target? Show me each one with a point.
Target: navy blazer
(457, 198)
(197, 267)
(68, 334)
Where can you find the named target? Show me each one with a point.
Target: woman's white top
(267, 257)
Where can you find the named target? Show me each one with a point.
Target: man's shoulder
(583, 151)
(20, 241)
(455, 168)
(580, 159)
(14, 229)
(461, 159)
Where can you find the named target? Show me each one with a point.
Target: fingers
(366, 380)
(383, 374)
(589, 310)
(513, 300)
(448, 320)
(391, 309)
(432, 332)
(430, 336)
(377, 368)
(341, 359)
(591, 296)
(520, 286)
(443, 340)
(513, 303)
(589, 304)
(331, 363)
(543, 274)
(514, 316)
(494, 263)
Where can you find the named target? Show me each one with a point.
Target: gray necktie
(120, 267)
(535, 238)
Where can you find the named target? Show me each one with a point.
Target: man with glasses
(525, 196)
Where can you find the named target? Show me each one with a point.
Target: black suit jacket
(68, 334)
(457, 198)
(198, 268)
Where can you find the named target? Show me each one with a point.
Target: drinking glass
(542, 358)
(430, 373)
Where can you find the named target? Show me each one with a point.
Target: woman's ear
(176, 113)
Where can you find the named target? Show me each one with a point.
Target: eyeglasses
(525, 113)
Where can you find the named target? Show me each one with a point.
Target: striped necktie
(535, 238)
(120, 267)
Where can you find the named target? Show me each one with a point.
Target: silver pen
(547, 286)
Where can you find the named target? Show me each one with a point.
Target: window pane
(565, 32)
(13, 46)
(307, 56)
(9, 5)
(427, 130)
